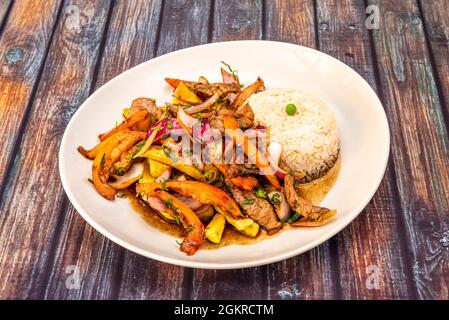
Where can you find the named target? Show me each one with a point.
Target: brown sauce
(230, 235)
(313, 191)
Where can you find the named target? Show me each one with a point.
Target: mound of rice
(309, 139)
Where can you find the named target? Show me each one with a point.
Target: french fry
(126, 124)
(214, 230)
(246, 93)
(109, 154)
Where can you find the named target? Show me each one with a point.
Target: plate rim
(233, 265)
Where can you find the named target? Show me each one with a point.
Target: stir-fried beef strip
(258, 209)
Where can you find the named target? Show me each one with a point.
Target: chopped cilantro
(260, 193)
(247, 202)
(169, 203)
(234, 72)
(140, 145)
(275, 199)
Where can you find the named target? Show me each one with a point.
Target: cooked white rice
(309, 139)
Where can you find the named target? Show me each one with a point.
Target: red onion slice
(274, 152)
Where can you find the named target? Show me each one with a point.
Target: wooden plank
(232, 20)
(290, 21)
(237, 20)
(310, 275)
(131, 40)
(249, 283)
(30, 222)
(436, 18)
(184, 25)
(372, 242)
(22, 54)
(420, 146)
(131, 37)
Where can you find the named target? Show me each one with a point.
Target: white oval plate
(365, 144)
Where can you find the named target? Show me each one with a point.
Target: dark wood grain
(23, 45)
(4, 7)
(419, 142)
(298, 277)
(290, 21)
(184, 25)
(31, 220)
(371, 243)
(436, 17)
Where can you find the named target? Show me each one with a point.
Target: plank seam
(101, 48)
(435, 73)
(6, 17)
(159, 28)
(210, 31)
(402, 230)
(187, 285)
(316, 27)
(52, 251)
(403, 241)
(263, 13)
(27, 113)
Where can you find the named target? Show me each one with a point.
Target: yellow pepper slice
(158, 154)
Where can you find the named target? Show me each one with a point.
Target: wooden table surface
(54, 54)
